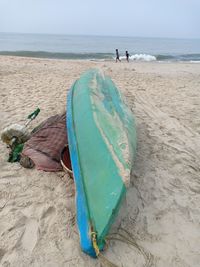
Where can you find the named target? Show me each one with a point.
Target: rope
(94, 243)
(123, 236)
(105, 262)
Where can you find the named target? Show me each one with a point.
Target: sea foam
(142, 57)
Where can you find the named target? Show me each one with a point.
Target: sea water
(99, 47)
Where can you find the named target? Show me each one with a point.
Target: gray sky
(145, 18)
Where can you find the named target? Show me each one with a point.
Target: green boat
(102, 145)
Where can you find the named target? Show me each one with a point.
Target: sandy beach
(162, 209)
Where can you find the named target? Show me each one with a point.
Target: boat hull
(102, 144)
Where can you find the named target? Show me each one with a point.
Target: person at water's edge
(117, 55)
(127, 56)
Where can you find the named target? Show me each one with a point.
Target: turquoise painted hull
(102, 144)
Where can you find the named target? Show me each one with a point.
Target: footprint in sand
(30, 236)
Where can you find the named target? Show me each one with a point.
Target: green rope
(15, 153)
(34, 114)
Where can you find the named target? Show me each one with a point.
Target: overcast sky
(143, 18)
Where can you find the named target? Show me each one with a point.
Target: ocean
(99, 47)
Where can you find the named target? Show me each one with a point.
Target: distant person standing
(127, 56)
(117, 56)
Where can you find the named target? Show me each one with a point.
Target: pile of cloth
(44, 147)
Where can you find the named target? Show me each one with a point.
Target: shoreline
(103, 56)
(103, 62)
(162, 210)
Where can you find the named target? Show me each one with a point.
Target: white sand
(37, 209)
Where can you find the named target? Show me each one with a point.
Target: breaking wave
(142, 57)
